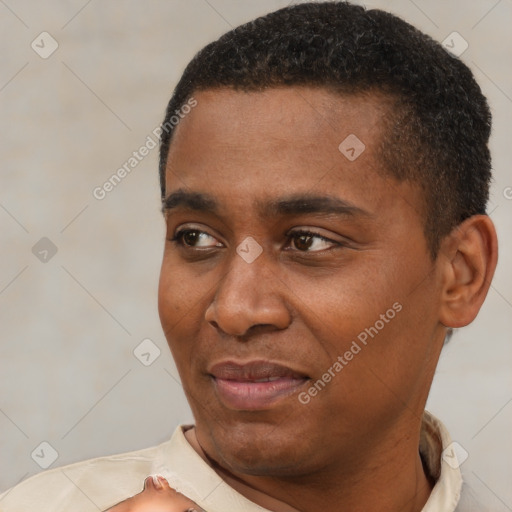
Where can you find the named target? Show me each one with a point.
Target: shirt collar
(439, 456)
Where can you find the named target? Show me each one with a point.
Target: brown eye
(303, 242)
(194, 238)
(308, 241)
(190, 237)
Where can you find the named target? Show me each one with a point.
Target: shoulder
(87, 486)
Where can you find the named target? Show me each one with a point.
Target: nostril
(213, 323)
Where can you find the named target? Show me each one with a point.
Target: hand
(157, 496)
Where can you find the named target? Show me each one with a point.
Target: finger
(156, 483)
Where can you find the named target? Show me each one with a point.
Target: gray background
(69, 325)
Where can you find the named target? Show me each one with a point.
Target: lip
(254, 385)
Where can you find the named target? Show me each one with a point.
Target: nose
(248, 295)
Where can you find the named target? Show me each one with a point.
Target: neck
(393, 479)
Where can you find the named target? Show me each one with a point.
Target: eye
(193, 238)
(302, 240)
(306, 240)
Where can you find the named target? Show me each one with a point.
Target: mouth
(254, 385)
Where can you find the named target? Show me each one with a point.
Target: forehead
(295, 140)
(275, 115)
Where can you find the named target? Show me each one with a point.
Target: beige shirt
(97, 484)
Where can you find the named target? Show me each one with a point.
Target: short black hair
(438, 131)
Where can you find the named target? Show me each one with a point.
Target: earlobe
(470, 253)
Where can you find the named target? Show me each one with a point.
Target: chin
(258, 449)
(256, 462)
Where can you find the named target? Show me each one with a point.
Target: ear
(470, 252)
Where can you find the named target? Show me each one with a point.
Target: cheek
(368, 315)
(168, 306)
(174, 307)
(180, 293)
(339, 306)
(183, 297)
(389, 359)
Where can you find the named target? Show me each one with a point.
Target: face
(297, 293)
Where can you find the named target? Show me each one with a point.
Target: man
(325, 204)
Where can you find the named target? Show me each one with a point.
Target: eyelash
(178, 239)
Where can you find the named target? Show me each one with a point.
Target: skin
(301, 304)
(157, 496)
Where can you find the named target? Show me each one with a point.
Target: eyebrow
(293, 204)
